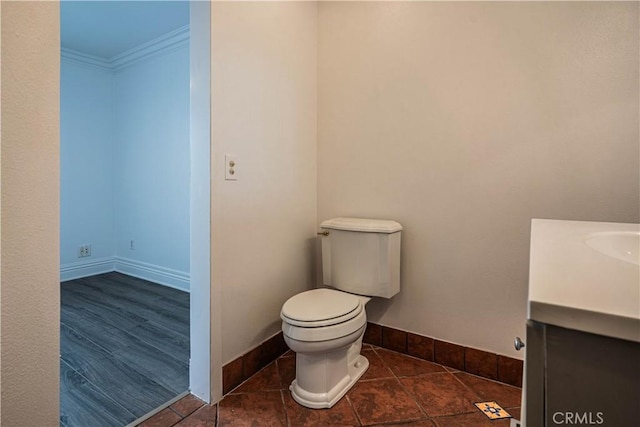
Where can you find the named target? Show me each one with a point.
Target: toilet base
(356, 369)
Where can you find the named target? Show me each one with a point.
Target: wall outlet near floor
(84, 251)
(515, 423)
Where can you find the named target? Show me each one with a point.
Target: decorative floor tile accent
(492, 410)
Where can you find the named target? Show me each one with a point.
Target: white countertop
(573, 285)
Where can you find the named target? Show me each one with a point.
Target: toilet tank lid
(362, 225)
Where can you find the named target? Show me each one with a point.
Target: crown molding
(158, 46)
(85, 59)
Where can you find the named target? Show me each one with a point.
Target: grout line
(435, 341)
(233, 391)
(424, 375)
(428, 374)
(466, 386)
(287, 421)
(416, 358)
(190, 413)
(282, 387)
(397, 378)
(488, 379)
(177, 413)
(384, 364)
(376, 379)
(414, 398)
(353, 410)
(439, 364)
(159, 409)
(278, 373)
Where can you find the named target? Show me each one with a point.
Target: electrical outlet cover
(230, 167)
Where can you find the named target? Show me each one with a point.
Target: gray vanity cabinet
(580, 378)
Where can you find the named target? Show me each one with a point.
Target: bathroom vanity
(583, 328)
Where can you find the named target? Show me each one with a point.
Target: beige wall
(264, 100)
(29, 215)
(463, 121)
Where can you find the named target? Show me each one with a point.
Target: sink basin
(585, 275)
(622, 245)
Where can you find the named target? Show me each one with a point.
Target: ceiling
(107, 28)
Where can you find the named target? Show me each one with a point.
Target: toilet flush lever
(518, 343)
(323, 233)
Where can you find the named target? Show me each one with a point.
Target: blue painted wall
(86, 163)
(125, 168)
(152, 161)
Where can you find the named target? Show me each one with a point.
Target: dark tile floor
(396, 390)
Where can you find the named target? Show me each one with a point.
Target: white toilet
(325, 326)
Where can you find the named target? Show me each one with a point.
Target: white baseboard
(142, 270)
(153, 273)
(79, 269)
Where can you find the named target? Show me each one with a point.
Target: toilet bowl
(325, 328)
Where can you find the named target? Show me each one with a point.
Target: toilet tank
(362, 256)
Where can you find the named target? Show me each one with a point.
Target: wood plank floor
(124, 349)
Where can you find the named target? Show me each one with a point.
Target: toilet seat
(320, 307)
(322, 315)
(325, 333)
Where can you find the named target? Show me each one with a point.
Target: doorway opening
(134, 235)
